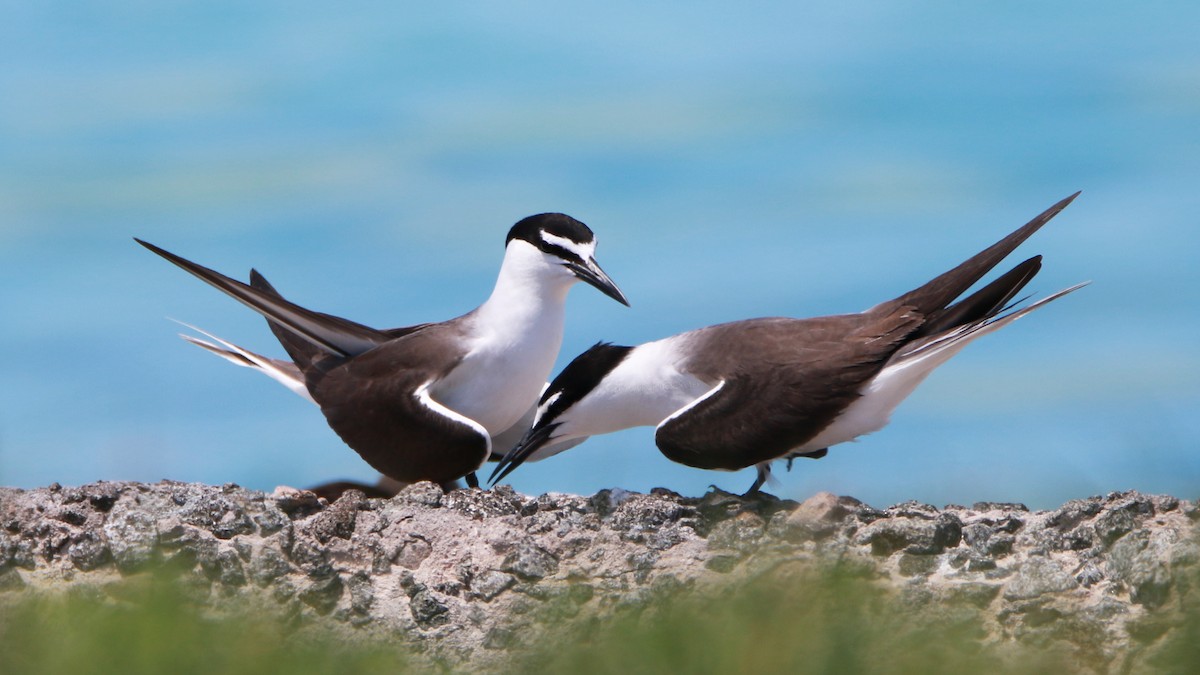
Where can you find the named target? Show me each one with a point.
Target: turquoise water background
(734, 161)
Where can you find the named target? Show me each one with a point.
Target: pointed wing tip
(163, 253)
(1058, 206)
(1065, 201)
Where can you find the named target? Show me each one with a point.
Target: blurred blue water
(769, 159)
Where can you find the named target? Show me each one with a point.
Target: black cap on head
(557, 224)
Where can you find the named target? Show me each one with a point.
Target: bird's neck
(648, 386)
(512, 341)
(529, 297)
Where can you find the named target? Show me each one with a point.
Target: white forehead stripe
(541, 409)
(585, 250)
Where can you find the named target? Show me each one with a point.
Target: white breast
(643, 390)
(502, 375)
(511, 341)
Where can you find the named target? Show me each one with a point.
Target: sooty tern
(431, 401)
(750, 392)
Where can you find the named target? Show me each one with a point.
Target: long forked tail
(943, 346)
(283, 372)
(942, 290)
(301, 350)
(335, 335)
(984, 303)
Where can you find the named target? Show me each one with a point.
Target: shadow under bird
(750, 392)
(435, 400)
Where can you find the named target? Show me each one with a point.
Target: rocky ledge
(457, 576)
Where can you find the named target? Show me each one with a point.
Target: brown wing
(370, 400)
(303, 352)
(784, 381)
(335, 335)
(942, 290)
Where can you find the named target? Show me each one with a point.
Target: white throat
(529, 284)
(512, 341)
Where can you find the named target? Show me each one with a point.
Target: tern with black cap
(747, 393)
(435, 400)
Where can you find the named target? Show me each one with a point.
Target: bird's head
(564, 249)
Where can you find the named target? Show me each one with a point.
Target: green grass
(798, 622)
(832, 622)
(157, 631)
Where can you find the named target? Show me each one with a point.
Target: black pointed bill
(590, 272)
(533, 440)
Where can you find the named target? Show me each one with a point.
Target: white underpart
(505, 440)
(554, 447)
(290, 378)
(643, 390)
(422, 395)
(693, 404)
(901, 376)
(872, 411)
(513, 341)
